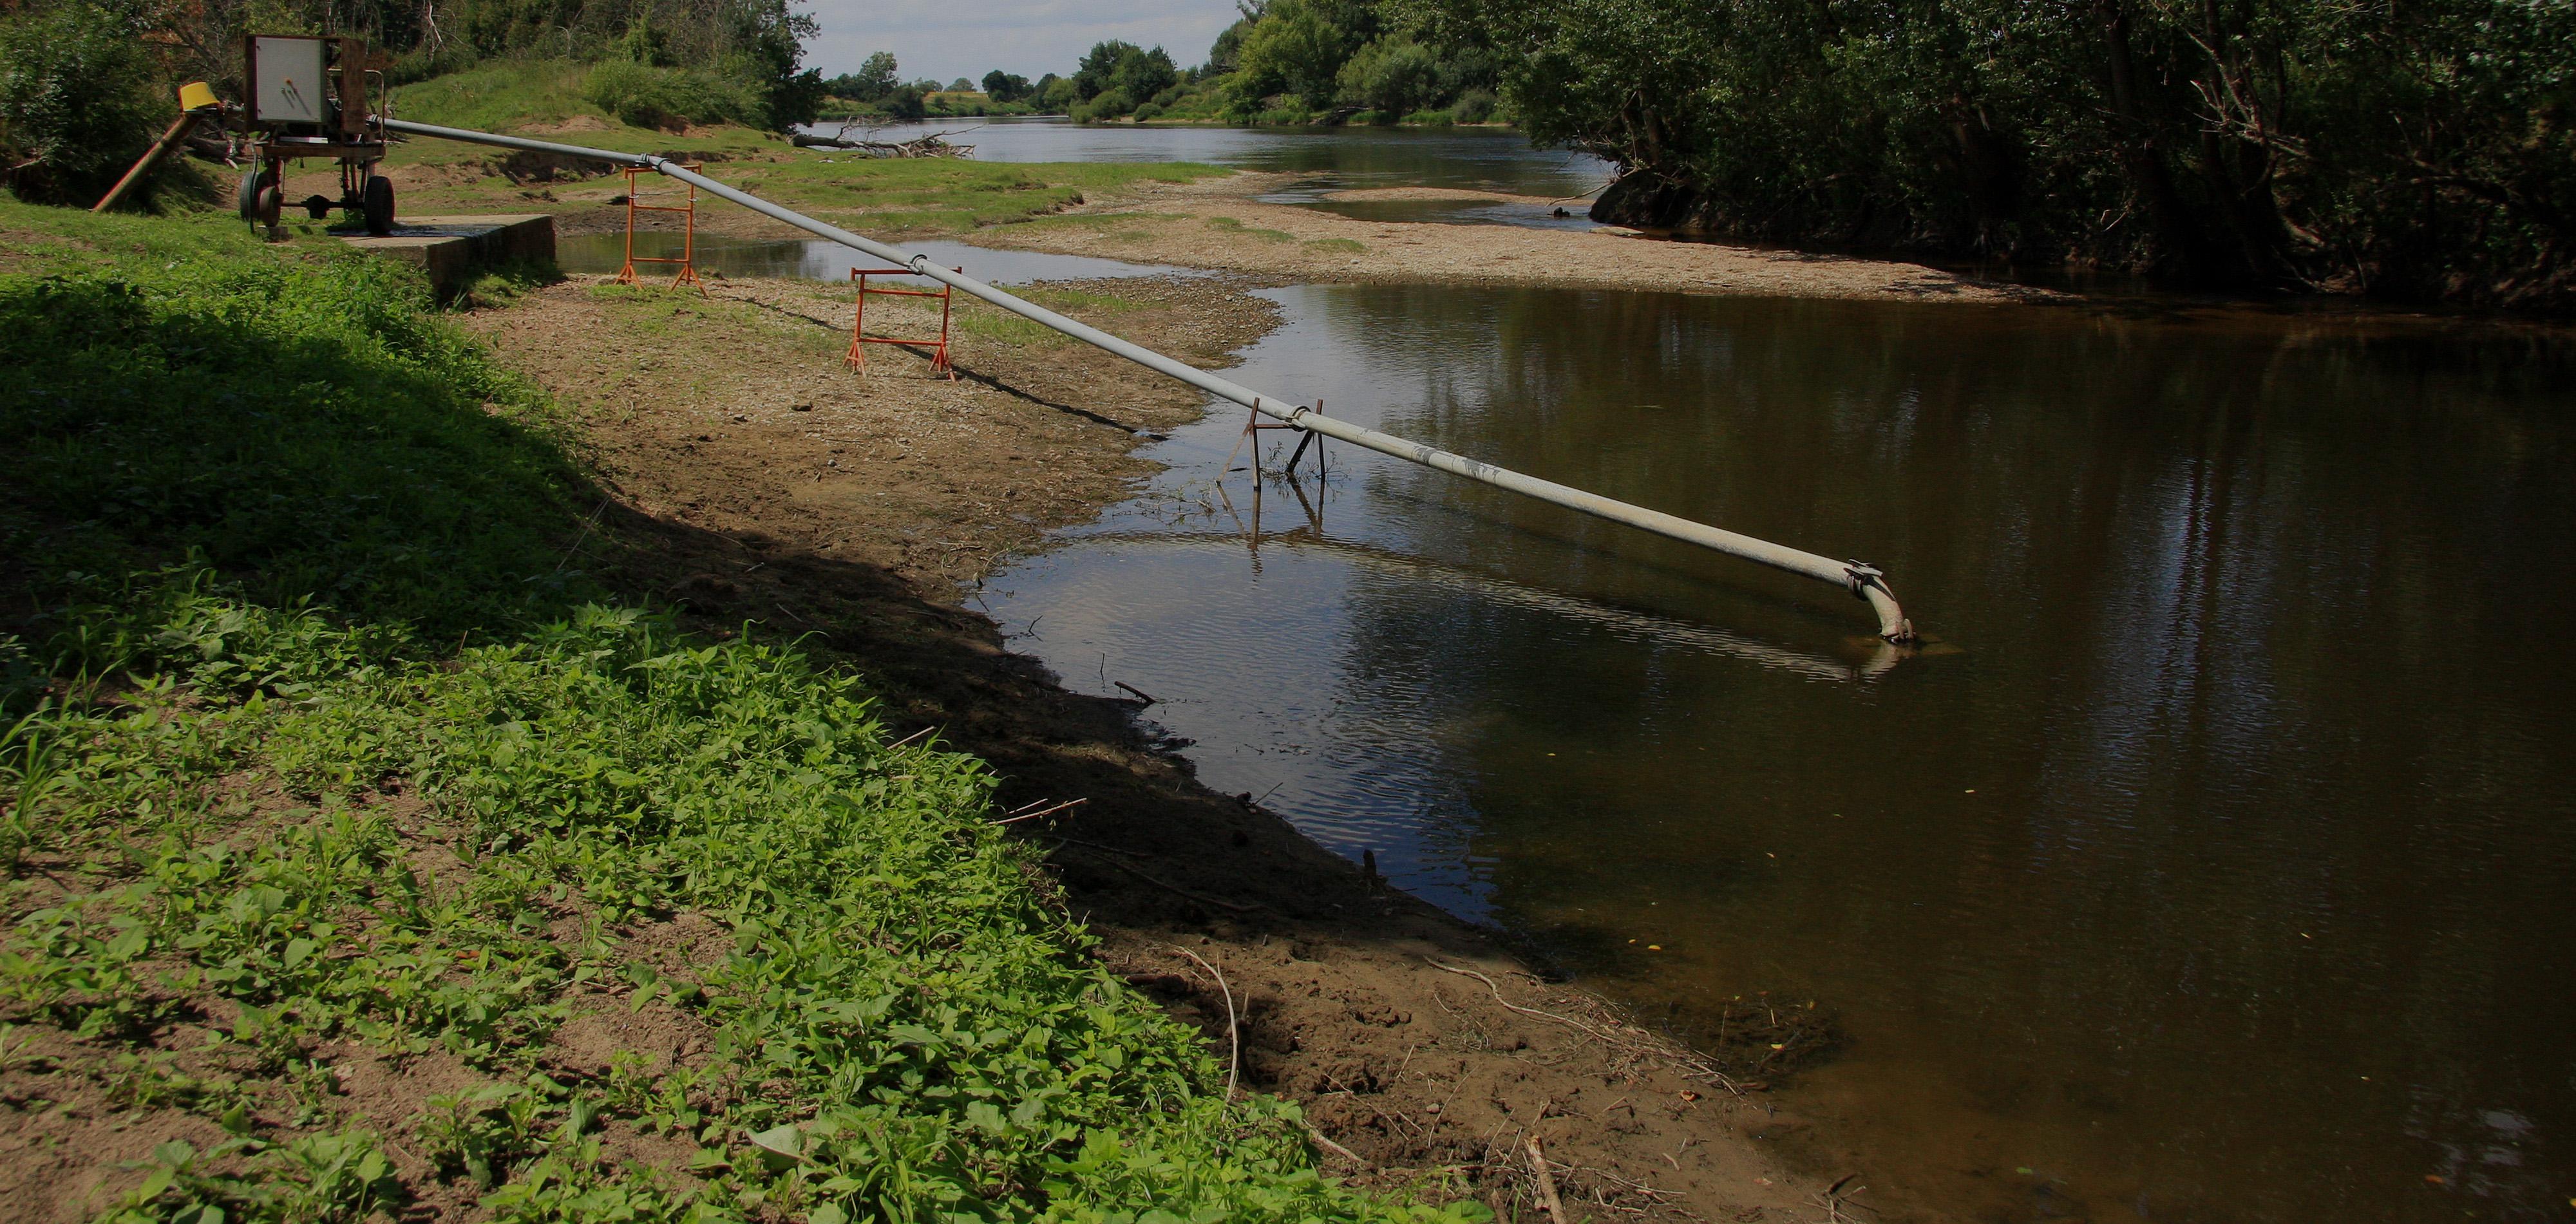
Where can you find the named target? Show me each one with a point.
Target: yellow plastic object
(196, 95)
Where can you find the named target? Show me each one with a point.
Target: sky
(947, 39)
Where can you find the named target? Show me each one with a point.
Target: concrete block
(451, 249)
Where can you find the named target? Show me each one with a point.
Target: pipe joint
(1861, 576)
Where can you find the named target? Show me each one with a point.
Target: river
(2212, 861)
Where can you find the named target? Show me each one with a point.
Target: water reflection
(2217, 869)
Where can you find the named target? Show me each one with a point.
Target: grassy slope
(332, 759)
(916, 196)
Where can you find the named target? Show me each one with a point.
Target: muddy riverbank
(759, 482)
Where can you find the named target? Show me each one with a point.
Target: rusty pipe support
(1861, 580)
(151, 157)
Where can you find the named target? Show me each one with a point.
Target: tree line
(1281, 61)
(2420, 150)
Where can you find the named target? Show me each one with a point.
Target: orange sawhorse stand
(859, 337)
(688, 259)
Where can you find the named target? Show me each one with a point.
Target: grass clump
(645, 95)
(1351, 246)
(1229, 225)
(501, 95)
(325, 748)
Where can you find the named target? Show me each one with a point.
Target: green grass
(502, 95)
(1229, 225)
(1336, 245)
(310, 605)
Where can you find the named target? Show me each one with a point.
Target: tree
(1006, 87)
(1226, 54)
(1393, 76)
(2421, 150)
(1293, 49)
(1099, 67)
(1143, 74)
(1056, 95)
(961, 85)
(876, 77)
(77, 103)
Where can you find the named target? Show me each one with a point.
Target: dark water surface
(2216, 861)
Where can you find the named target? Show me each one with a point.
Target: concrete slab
(450, 249)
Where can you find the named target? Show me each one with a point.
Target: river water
(1326, 160)
(2214, 862)
(2214, 859)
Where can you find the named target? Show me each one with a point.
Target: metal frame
(351, 130)
(688, 260)
(858, 359)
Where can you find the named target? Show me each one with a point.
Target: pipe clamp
(1861, 575)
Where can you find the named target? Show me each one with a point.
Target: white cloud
(968, 38)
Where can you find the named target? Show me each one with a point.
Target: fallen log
(929, 144)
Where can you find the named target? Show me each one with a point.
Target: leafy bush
(1395, 75)
(77, 103)
(1474, 106)
(1430, 118)
(1109, 104)
(1148, 112)
(648, 96)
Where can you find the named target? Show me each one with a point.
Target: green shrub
(1474, 106)
(77, 104)
(1148, 112)
(647, 96)
(1109, 104)
(1430, 118)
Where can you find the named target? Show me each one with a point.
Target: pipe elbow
(1892, 622)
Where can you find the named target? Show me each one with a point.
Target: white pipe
(1860, 579)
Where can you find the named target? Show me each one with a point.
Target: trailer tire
(248, 200)
(378, 201)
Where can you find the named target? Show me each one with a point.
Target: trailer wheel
(248, 200)
(379, 204)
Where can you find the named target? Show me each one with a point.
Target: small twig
(909, 738)
(1546, 1182)
(586, 525)
(1694, 1064)
(1233, 1037)
(1832, 1198)
(1140, 694)
(1034, 815)
(1325, 1142)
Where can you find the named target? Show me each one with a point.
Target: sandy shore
(1218, 224)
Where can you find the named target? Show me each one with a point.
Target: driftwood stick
(1546, 1181)
(1015, 819)
(1233, 1036)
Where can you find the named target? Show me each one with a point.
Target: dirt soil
(752, 477)
(1216, 223)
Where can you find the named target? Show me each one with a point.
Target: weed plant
(303, 550)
